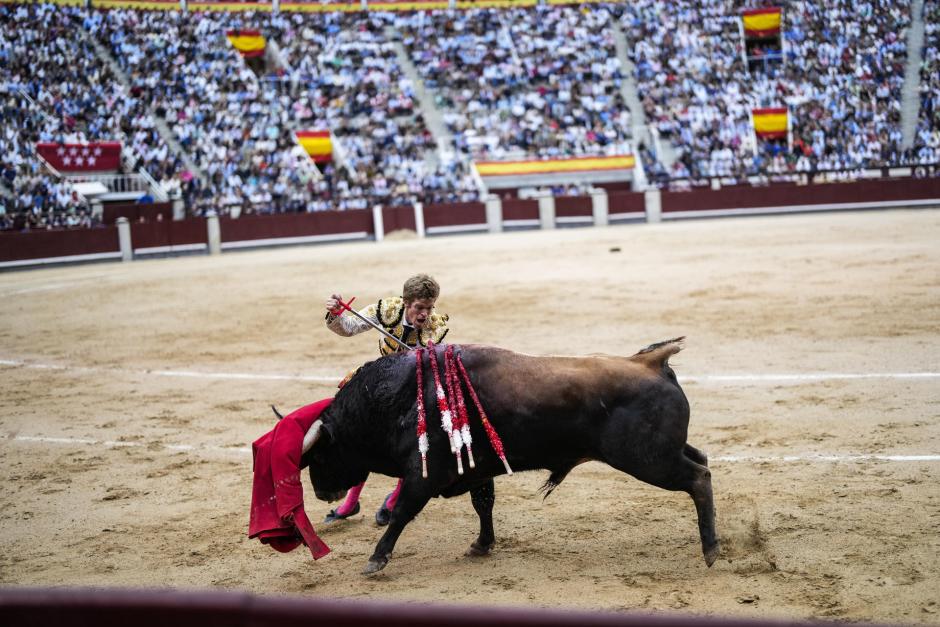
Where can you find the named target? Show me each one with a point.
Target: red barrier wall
(20, 607)
(42, 244)
(454, 213)
(788, 195)
(625, 202)
(573, 206)
(396, 218)
(46, 244)
(296, 225)
(133, 212)
(154, 234)
(520, 209)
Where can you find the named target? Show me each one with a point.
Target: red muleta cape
(277, 496)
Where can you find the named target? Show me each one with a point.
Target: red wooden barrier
(133, 212)
(296, 225)
(162, 235)
(454, 214)
(398, 218)
(25, 607)
(44, 244)
(520, 209)
(739, 197)
(625, 202)
(573, 206)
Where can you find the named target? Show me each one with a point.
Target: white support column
(654, 208)
(494, 214)
(546, 210)
(378, 222)
(215, 235)
(600, 207)
(97, 209)
(179, 208)
(124, 239)
(419, 219)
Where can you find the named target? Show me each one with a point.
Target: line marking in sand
(244, 450)
(707, 378)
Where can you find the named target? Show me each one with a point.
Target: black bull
(551, 412)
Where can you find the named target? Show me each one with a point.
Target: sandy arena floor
(107, 369)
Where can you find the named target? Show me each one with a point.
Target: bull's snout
(329, 496)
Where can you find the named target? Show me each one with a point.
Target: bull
(551, 412)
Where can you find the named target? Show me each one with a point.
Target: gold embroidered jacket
(389, 313)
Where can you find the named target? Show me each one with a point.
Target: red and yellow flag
(770, 123)
(555, 166)
(317, 144)
(761, 22)
(250, 43)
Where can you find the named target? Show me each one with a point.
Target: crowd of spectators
(841, 78)
(512, 83)
(229, 124)
(343, 73)
(927, 137)
(55, 89)
(523, 83)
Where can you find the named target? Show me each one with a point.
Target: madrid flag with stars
(91, 157)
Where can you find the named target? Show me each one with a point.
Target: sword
(346, 307)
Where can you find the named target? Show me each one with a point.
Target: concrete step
(104, 55)
(429, 110)
(910, 100)
(631, 95)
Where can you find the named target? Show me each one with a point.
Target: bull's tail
(656, 356)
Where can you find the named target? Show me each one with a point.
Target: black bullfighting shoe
(333, 516)
(383, 514)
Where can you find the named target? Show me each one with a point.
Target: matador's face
(417, 312)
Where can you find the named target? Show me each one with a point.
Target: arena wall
(134, 212)
(119, 608)
(174, 237)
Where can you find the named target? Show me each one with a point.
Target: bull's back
(555, 410)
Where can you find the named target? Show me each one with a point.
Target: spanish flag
(554, 166)
(761, 23)
(248, 42)
(317, 144)
(770, 123)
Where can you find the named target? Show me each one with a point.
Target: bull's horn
(312, 435)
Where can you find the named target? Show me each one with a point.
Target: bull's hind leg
(411, 501)
(700, 489)
(697, 456)
(483, 497)
(681, 473)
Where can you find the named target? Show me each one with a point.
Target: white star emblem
(78, 161)
(91, 161)
(97, 151)
(73, 151)
(66, 161)
(60, 151)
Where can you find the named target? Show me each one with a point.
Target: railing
(116, 183)
(927, 170)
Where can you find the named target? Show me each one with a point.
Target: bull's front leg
(414, 496)
(483, 497)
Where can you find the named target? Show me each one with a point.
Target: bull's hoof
(478, 550)
(711, 554)
(374, 566)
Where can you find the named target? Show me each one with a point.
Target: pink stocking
(393, 497)
(352, 497)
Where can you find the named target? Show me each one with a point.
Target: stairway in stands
(640, 130)
(910, 100)
(429, 110)
(159, 123)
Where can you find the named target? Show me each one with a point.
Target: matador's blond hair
(420, 286)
